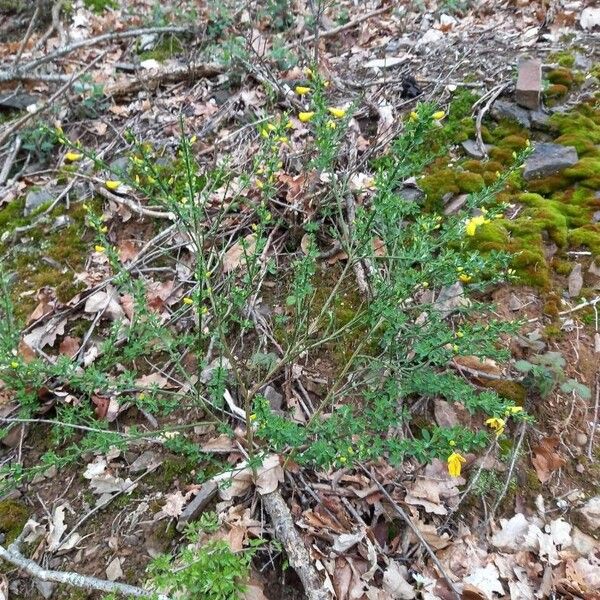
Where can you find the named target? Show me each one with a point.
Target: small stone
(581, 439)
(540, 120)
(508, 110)
(529, 84)
(114, 570)
(273, 397)
(471, 148)
(119, 165)
(588, 517)
(514, 303)
(35, 199)
(61, 222)
(19, 101)
(144, 461)
(456, 204)
(412, 193)
(547, 159)
(589, 83)
(581, 62)
(590, 18)
(431, 38)
(45, 588)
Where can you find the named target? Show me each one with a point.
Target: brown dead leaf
(474, 363)
(69, 346)
(235, 256)
(101, 403)
(128, 250)
(546, 458)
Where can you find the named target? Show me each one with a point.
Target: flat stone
(596, 217)
(19, 101)
(540, 120)
(145, 461)
(507, 110)
(35, 198)
(471, 147)
(547, 159)
(583, 63)
(200, 501)
(455, 205)
(529, 84)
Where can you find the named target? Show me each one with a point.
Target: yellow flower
(452, 443)
(459, 269)
(338, 113)
(264, 132)
(253, 417)
(302, 90)
(193, 139)
(527, 143)
(413, 116)
(308, 72)
(513, 410)
(439, 115)
(188, 300)
(103, 229)
(455, 462)
(73, 156)
(465, 278)
(112, 184)
(305, 117)
(496, 424)
(99, 248)
(259, 184)
(283, 139)
(455, 348)
(14, 364)
(342, 459)
(425, 284)
(331, 124)
(459, 334)
(472, 224)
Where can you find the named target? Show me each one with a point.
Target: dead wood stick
(298, 555)
(153, 80)
(336, 30)
(25, 118)
(415, 530)
(13, 555)
(10, 159)
(12, 74)
(482, 112)
(129, 203)
(595, 421)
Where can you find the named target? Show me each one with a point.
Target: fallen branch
(140, 210)
(153, 80)
(298, 555)
(13, 555)
(15, 74)
(16, 125)
(336, 30)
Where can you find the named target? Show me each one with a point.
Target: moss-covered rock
(13, 516)
(468, 182)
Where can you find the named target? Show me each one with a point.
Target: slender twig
(414, 529)
(595, 421)
(28, 33)
(10, 159)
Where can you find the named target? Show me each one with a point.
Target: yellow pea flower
(259, 184)
(331, 124)
(413, 116)
(513, 410)
(14, 364)
(73, 156)
(99, 248)
(283, 139)
(305, 117)
(439, 115)
(308, 72)
(338, 113)
(103, 229)
(496, 424)
(455, 462)
(472, 224)
(459, 334)
(465, 278)
(271, 127)
(112, 184)
(452, 443)
(188, 300)
(302, 90)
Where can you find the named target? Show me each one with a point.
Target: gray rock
(119, 165)
(61, 222)
(456, 204)
(583, 63)
(596, 217)
(273, 397)
(590, 83)
(528, 92)
(508, 110)
(549, 158)
(19, 101)
(146, 460)
(540, 120)
(588, 517)
(45, 588)
(35, 198)
(471, 147)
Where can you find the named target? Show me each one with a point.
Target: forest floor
(161, 386)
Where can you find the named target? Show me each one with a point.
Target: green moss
(563, 58)
(548, 184)
(469, 183)
(169, 47)
(561, 266)
(512, 390)
(514, 142)
(587, 236)
(437, 183)
(556, 90)
(586, 171)
(502, 155)
(474, 166)
(13, 516)
(580, 142)
(552, 332)
(561, 76)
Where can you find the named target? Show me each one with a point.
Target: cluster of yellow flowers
(337, 112)
(473, 223)
(497, 424)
